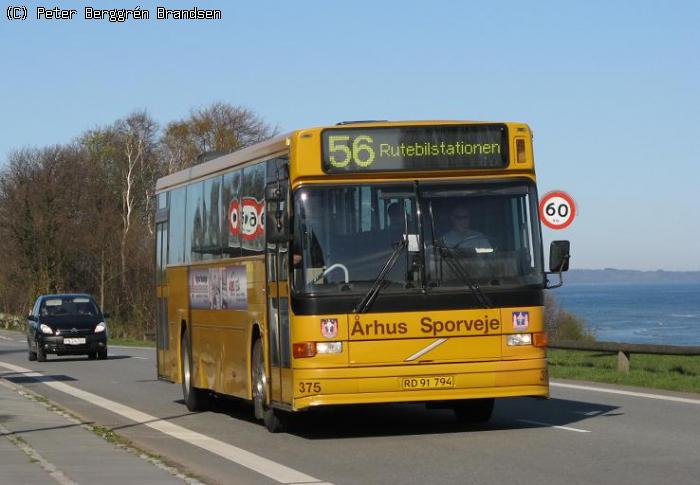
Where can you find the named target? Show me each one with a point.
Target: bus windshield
(438, 236)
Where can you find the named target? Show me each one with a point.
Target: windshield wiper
(458, 268)
(369, 297)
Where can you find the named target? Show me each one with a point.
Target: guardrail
(624, 351)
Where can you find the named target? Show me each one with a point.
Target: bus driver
(462, 237)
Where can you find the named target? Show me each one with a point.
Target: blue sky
(611, 90)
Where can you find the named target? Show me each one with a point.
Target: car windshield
(443, 234)
(63, 306)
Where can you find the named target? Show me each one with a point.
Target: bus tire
(472, 411)
(271, 417)
(195, 399)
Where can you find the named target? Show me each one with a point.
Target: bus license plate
(74, 341)
(432, 382)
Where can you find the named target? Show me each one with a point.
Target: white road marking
(550, 425)
(259, 464)
(587, 413)
(646, 395)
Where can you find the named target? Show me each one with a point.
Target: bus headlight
(329, 347)
(519, 339)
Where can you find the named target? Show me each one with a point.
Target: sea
(647, 313)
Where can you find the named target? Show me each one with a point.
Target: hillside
(611, 275)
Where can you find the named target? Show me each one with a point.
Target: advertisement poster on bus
(234, 288)
(205, 288)
(218, 288)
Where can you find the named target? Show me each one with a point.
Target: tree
(43, 223)
(220, 127)
(126, 152)
(79, 217)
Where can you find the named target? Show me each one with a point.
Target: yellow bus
(365, 262)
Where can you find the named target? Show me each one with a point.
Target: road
(585, 434)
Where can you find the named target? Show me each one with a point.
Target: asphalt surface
(580, 436)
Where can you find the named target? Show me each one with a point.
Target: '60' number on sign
(557, 210)
(341, 151)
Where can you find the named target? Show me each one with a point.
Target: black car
(66, 324)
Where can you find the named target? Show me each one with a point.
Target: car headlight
(45, 329)
(101, 327)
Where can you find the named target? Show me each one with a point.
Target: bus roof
(280, 144)
(252, 153)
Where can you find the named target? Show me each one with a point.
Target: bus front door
(279, 346)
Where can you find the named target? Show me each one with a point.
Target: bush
(11, 322)
(563, 325)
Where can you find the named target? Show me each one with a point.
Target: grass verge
(671, 372)
(132, 342)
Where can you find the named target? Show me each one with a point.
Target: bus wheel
(270, 417)
(195, 399)
(474, 410)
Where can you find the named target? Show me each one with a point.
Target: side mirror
(559, 256)
(277, 226)
(275, 192)
(276, 216)
(31, 317)
(105, 314)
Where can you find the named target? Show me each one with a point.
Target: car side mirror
(31, 317)
(105, 314)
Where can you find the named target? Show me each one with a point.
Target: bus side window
(252, 209)
(230, 214)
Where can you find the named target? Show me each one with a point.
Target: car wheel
(40, 353)
(472, 411)
(31, 355)
(275, 421)
(92, 355)
(102, 354)
(195, 399)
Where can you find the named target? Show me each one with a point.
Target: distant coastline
(611, 275)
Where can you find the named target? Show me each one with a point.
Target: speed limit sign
(557, 210)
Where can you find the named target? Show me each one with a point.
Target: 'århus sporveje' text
(428, 326)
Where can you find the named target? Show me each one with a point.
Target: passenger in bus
(462, 237)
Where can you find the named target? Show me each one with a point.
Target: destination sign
(414, 148)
